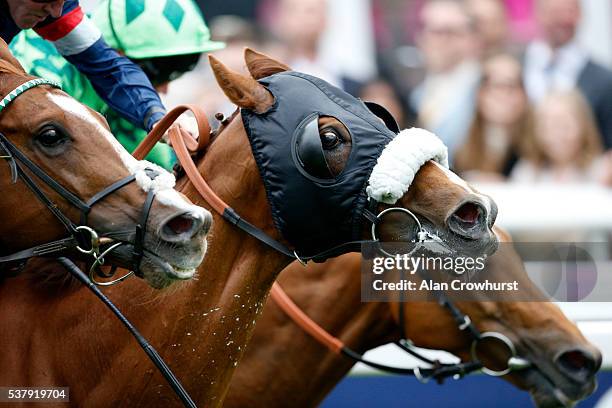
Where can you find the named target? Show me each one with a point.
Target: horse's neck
(219, 310)
(289, 364)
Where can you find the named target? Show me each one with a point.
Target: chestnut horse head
(563, 362)
(73, 145)
(318, 148)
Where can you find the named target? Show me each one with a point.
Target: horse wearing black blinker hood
(313, 209)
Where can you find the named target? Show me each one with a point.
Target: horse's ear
(6, 55)
(242, 90)
(261, 66)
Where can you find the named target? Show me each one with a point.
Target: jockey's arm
(118, 81)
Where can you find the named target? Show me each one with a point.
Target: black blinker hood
(313, 214)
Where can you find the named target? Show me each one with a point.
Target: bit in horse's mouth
(122, 257)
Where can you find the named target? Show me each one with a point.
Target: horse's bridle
(437, 370)
(82, 237)
(184, 146)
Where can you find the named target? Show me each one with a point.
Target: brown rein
(184, 144)
(303, 320)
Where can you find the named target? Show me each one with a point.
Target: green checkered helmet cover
(154, 28)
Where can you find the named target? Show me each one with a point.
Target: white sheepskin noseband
(400, 161)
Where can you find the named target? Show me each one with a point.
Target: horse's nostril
(468, 213)
(578, 364)
(180, 224)
(469, 220)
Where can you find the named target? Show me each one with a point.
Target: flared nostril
(469, 220)
(468, 213)
(579, 365)
(186, 226)
(180, 226)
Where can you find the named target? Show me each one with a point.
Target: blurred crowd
(528, 105)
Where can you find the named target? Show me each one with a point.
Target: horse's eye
(330, 139)
(51, 137)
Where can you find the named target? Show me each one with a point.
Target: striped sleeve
(116, 79)
(71, 33)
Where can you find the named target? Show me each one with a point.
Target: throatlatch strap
(41, 196)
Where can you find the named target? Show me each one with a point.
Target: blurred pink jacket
(521, 14)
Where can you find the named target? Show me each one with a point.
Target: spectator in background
(503, 119)
(566, 146)
(520, 15)
(491, 22)
(557, 62)
(299, 24)
(444, 102)
(237, 33)
(605, 177)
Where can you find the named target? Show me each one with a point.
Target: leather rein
(81, 237)
(437, 370)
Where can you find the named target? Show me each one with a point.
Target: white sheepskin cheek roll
(164, 180)
(399, 162)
